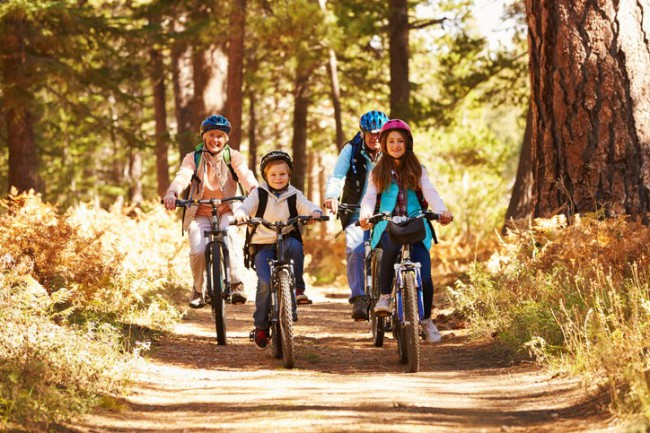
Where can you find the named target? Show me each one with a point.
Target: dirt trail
(341, 383)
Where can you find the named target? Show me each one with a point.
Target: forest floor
(340, 383)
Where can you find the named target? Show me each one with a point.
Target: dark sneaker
(261, 338)
(237, 294)
(360, 309)
(197, 300)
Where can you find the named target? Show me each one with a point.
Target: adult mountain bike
(283, 285)
(408, 305)
(217, 263)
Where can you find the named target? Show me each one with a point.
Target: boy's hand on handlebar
(170, 201)
(445, 218)
(331, 204)
(241, 217)
(315, 214)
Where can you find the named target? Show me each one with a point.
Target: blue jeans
(294, 250)
(355, 259)
(387, 272)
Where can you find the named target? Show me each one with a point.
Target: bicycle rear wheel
(410, 329)
(377, 323)
(286, 318)
(216, 293)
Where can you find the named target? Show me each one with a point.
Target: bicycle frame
(405, 265)
(216, 235)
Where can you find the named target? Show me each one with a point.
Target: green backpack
(198, 151)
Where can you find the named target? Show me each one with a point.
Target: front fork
(367, 269)
(276, 266)
(400, 269)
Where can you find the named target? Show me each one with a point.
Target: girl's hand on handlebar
(170, 201)
(445, 218)
(364, 222)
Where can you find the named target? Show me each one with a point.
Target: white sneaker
(382, 307)
(197, 300)
(431, 333)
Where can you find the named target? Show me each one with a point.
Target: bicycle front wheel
(286, 318)
(216, 293)
(378, 323)
(410, 329)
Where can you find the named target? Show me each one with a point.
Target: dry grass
(76, 291)
(575, 295)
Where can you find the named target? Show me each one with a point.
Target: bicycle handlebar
(210, 201)
(280, 224)
(347, 207)
(387, 216)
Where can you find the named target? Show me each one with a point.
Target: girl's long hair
(408, 173)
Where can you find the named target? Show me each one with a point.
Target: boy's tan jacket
(183, 179)
(277, 209)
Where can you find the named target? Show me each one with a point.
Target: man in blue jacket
(348, 182)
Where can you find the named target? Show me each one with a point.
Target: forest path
(341, 383)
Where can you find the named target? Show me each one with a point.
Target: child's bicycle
(217, 263)
(408, 307)
(283, 285)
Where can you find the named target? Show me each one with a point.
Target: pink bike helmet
(396, 124)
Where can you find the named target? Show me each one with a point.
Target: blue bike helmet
(372, 121)
(215, 122)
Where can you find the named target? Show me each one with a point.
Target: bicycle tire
(276, 340)
(411, 328)
(377, 323)
(286, 318)
(218, 307)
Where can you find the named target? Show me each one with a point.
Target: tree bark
(590, 109)
(398, 34)
(23, 158)
(521, 200)
(236, 71)
(332, 71)
(183, 86)
(252, 140)
(299, 142)
(160, 116)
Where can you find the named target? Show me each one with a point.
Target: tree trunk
(160, 115)
(252, 141)
(590, 85)
(236, 70)
(183, 96)
(398, 34)
(23, 160)
(310, 177)
(332, 71)
(521, 200)
(299, 143)
(201, 77)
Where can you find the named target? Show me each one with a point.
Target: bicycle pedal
(251, 336)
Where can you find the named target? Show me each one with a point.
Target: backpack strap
(249, 248)
(228, 161)
(293, 212)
